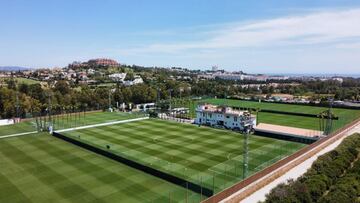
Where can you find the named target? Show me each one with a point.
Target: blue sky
(269, 36)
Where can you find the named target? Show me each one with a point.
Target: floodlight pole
(246, 154)
(329, 117)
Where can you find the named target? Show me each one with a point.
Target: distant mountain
(12, 68)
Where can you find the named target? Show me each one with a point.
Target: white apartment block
(224, 117)
(118, 77)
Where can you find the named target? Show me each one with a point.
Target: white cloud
(337, 26)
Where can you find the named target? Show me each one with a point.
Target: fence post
(201, 188)
(213, 183)
(187, 191)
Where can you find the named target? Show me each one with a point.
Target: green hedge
(333, 177)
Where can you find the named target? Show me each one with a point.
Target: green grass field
(21, 127)
(42, 168)
(345, 115)
(69, 121)
(22, 80)
(27, 81)
(207, 156)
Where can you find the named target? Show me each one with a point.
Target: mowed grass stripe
(91, 175)
(164, 145)
(130, 185)
(345, 115)
(24, 177)
(288, 120)
(210, 146)
(27, 126)
(177, 133)
(226, 143)
(191, 147)
(13, 193)
(64, 121)
(76, 120)
(221, 137)
(134, 181)
(60, 183)
(100, 174)
(159, 152)
(272, 106)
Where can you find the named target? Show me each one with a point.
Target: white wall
(6, 122)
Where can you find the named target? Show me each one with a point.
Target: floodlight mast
(246, 153)
(248, 125)
(329, 117)
(248, 128)
(326, 125)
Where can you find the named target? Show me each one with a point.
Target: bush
(330, 178)
(316, 186)
(153, 114)
(336, 197)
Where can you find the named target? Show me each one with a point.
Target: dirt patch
(288, 130)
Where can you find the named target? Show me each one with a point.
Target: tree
(62, 86)
(130, 76)
(24, 88)
(36, 92)
(11, 84)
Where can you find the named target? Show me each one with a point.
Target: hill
(13, 68)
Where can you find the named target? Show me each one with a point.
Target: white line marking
(102, 124)
(18, 134)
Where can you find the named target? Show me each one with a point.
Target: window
(235, 118)
(227, 116)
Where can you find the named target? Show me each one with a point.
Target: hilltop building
(227, 117)
(103, 62)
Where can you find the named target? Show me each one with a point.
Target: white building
(137, 80)
(117, 77)
(145, 107)
(225, 117)
(229, 76)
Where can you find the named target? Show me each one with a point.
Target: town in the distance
(108, 73)
(198, 135)
(180, 101)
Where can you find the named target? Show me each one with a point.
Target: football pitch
(212, 158)
(42, 168)
(69, 121)
(345, 115)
